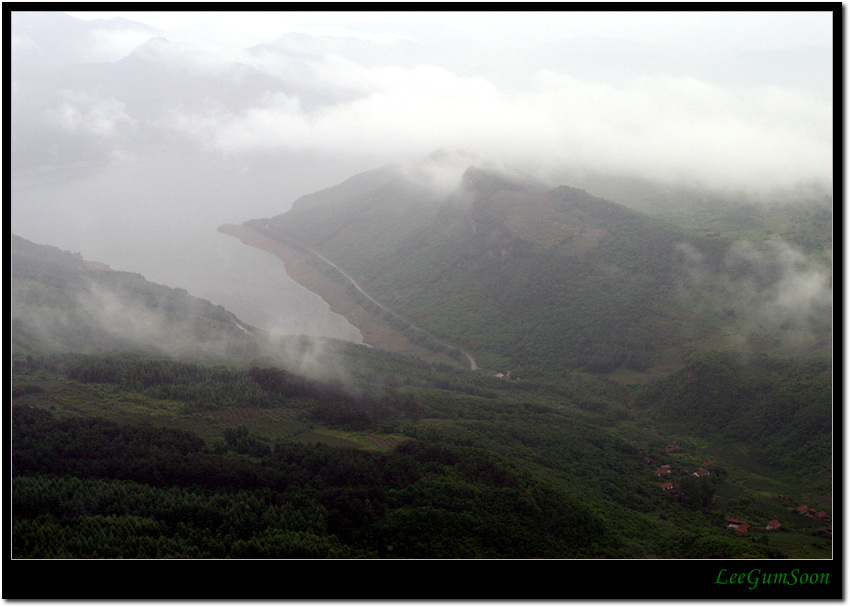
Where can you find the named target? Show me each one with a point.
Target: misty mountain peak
(485, 182)
(452, 156)
(154, 49)
(45, 40)
(574, 195)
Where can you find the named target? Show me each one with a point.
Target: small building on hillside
(774, 524)
(702, 472)
(666, 486)
(662, 471)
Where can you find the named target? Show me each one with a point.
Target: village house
(666, 486)
(662, 471)
(774, 524)
(737, 525)
(811, 513)
(702, 472)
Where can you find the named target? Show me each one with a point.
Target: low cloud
(392, 94)
(763, 290)
(676, 130)
(123, 160)
(110, 44)
(778, 284)
(98, 317)
(85, 113)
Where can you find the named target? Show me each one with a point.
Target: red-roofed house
(774, 524)
(666, 486)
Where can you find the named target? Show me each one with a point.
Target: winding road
(472, 364)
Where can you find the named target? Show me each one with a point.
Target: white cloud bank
(659, 127)
(704, 98)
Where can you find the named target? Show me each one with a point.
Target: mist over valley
(390, 286)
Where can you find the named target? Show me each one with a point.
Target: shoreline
(375, 332)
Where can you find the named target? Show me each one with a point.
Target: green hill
(124, 450)
(60, 302)
(543, 282)
(781, 409)
(535, 281)
(148, 423)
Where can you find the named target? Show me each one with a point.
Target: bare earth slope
(375, 331)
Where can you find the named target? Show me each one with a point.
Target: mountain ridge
(63, 302)
(542, 281)
(466, 264)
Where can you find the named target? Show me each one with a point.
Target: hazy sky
(717, 31)
(738, 98)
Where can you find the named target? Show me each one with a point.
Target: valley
(361, 296)
(618, 410)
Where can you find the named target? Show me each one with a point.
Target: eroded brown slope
(301, 268)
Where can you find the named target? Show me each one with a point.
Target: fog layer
(133, 138)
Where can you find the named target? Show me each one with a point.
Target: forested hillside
(781, 409)
(537, 282)
(544, 282)
(135, 453)
(64, 303)
(438, 473)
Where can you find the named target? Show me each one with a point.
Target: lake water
(159, 218)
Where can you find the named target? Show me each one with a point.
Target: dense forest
(773, 406)
(516, 472)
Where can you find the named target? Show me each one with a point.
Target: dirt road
(375, 331)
